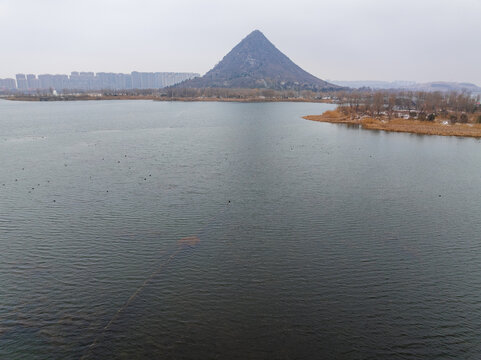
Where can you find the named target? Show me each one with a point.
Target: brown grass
(401, 125)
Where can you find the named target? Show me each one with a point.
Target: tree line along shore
(359, 102)
(181, 94)
(444, 114)
(430, 113)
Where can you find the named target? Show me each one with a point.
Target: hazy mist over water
(336, 243)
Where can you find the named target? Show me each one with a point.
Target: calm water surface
(337, 243)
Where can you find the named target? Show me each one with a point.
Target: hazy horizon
(346, 41)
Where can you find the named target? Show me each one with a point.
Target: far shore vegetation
(433, 113)
(429, 113)
(179, 94)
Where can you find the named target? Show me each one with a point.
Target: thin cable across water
(186, 242)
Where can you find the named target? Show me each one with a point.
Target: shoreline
(156, 98)
(75, 98)
(400, 125)
(244, 100)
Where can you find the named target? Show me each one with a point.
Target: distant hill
(256, 63)
(411, 85)
(448, 86)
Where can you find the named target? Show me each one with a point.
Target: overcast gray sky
(420, 40)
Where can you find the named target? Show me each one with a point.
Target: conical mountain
(256, 63)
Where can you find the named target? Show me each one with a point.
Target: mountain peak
(256, 37)
(256, 63)
(256, 33)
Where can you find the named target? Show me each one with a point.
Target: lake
(172, 230)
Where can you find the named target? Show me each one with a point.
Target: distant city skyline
(94, 81)
(414, 40)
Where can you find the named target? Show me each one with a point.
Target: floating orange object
(189, 241)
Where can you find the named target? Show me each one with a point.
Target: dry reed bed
(401, 125)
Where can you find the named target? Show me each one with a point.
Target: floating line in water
(189, 241)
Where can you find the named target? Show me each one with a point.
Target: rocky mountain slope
(256, 63)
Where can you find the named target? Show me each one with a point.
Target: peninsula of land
(441, 127)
